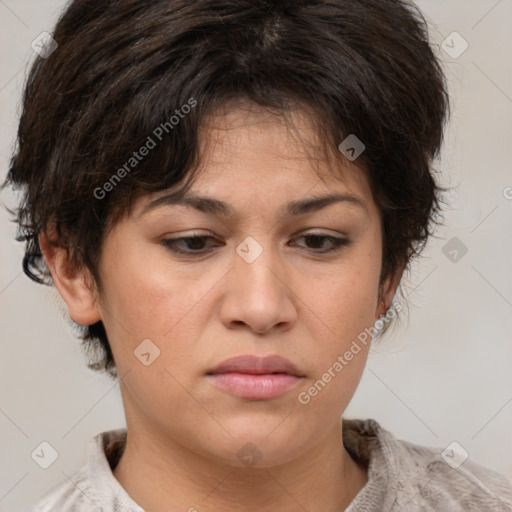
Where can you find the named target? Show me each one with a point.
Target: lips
(255, 378)
(256, 365)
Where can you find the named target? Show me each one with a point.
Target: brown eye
(193, 244)
(317, 242)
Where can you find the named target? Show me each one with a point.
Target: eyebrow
(217, 207)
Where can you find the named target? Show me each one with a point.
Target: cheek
(158, 301)
(346, 305)
(143, 292)
(346, 301)
(340, 350)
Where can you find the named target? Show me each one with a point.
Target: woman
(226, 195)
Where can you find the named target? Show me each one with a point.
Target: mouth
(255, 377)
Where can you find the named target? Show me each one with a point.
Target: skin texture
(183, 433)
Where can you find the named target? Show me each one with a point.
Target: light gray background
(444, 375)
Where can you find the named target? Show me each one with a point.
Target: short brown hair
(123, 68)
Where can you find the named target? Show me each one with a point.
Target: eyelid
(338, 242)
(315, 231)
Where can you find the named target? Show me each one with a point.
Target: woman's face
(259, 286)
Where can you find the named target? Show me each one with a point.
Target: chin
(258, 447)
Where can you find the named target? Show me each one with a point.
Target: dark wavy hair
(123, 68)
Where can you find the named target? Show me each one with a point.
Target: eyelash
(170, 244)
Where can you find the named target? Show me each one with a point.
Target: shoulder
(446, 478)
(428, 478)
(93, 488)
(67, 495)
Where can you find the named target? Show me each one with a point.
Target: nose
(258, 290)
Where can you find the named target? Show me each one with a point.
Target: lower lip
(255, 387)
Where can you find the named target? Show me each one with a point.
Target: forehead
(240, 133)
(248, 154)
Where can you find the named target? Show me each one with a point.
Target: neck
(160, 474)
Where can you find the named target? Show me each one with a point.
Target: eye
(317, 239)
(195, 245)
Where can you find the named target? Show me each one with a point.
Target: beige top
(402, 477)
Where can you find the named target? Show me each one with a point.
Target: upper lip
(256, 365)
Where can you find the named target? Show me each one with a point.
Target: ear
(387, 290)
(75, 285)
